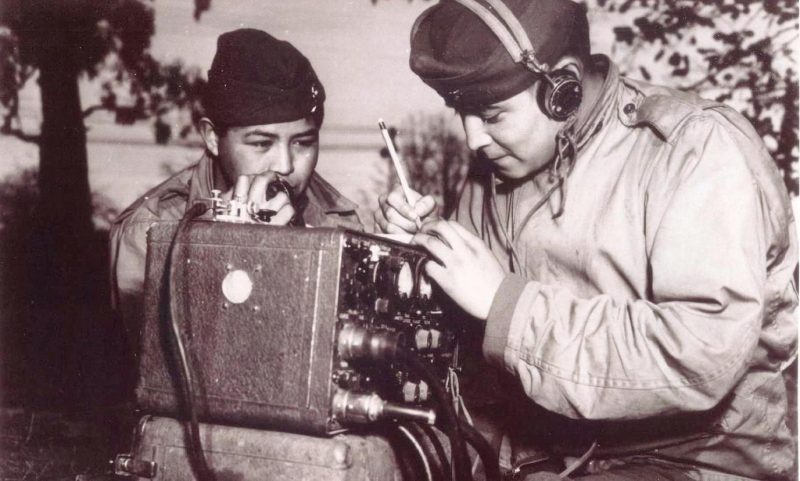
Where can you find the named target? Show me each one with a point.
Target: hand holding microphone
(268, 198)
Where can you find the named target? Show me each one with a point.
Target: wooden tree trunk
(62, 231)
(64, 224)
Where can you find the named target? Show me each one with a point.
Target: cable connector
(349, 407)
(128, 465)
(356, 342)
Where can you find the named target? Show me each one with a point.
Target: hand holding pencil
(402, 210)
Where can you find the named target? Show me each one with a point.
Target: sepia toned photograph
(400, 240)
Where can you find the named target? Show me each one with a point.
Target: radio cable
(204, 472)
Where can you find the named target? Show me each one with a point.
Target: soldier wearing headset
(629, 252)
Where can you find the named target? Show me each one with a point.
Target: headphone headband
(509, 32)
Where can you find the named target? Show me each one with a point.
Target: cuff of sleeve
(501, 313)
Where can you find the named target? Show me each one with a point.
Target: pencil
(398, 167)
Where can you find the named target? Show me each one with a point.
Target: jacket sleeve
(128, 242)
(685, 346)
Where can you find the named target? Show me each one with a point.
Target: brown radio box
(261, 308)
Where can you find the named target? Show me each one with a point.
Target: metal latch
(127, 465)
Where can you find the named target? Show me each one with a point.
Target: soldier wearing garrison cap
(629, 253)
(264, 107)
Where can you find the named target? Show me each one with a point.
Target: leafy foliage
(740, 52)
(109, 43)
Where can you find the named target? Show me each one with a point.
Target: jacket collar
(603, 103)
(202, 181)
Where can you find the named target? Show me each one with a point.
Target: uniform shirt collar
(324, 196)
(202, 180)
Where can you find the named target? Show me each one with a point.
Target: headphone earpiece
(562, 94)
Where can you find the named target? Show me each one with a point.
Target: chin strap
(566, 149)
(568, 143)
(555, 195)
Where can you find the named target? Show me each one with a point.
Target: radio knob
(382, 305)
(415, 392)
(423, 391)
(410, 392)
(392, 275)
(422, 339)
(425, 287)
(436, 337)
(342, 378)
(405, 280)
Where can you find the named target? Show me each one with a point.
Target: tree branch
(785, 30)
(94, 108)
(18, 133)
(13, 115)
(786, 44)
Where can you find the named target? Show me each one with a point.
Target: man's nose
(475, 131)
(284, 163)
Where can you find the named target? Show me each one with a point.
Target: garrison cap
(257, 79)
(458, 55)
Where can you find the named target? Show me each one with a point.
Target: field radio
(284, 326)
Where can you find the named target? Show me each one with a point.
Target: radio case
(261, 307)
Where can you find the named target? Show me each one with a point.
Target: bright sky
(359, 50)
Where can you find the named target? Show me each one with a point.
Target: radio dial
(392, 275)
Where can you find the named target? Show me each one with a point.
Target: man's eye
(307, 142)
(263, 144)
(491, 118)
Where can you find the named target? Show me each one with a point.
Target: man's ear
(568, 62)
(209, 134)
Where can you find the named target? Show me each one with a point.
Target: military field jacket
(664, 291)
(326, 207)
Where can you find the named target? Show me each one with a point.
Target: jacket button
(629, 108)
